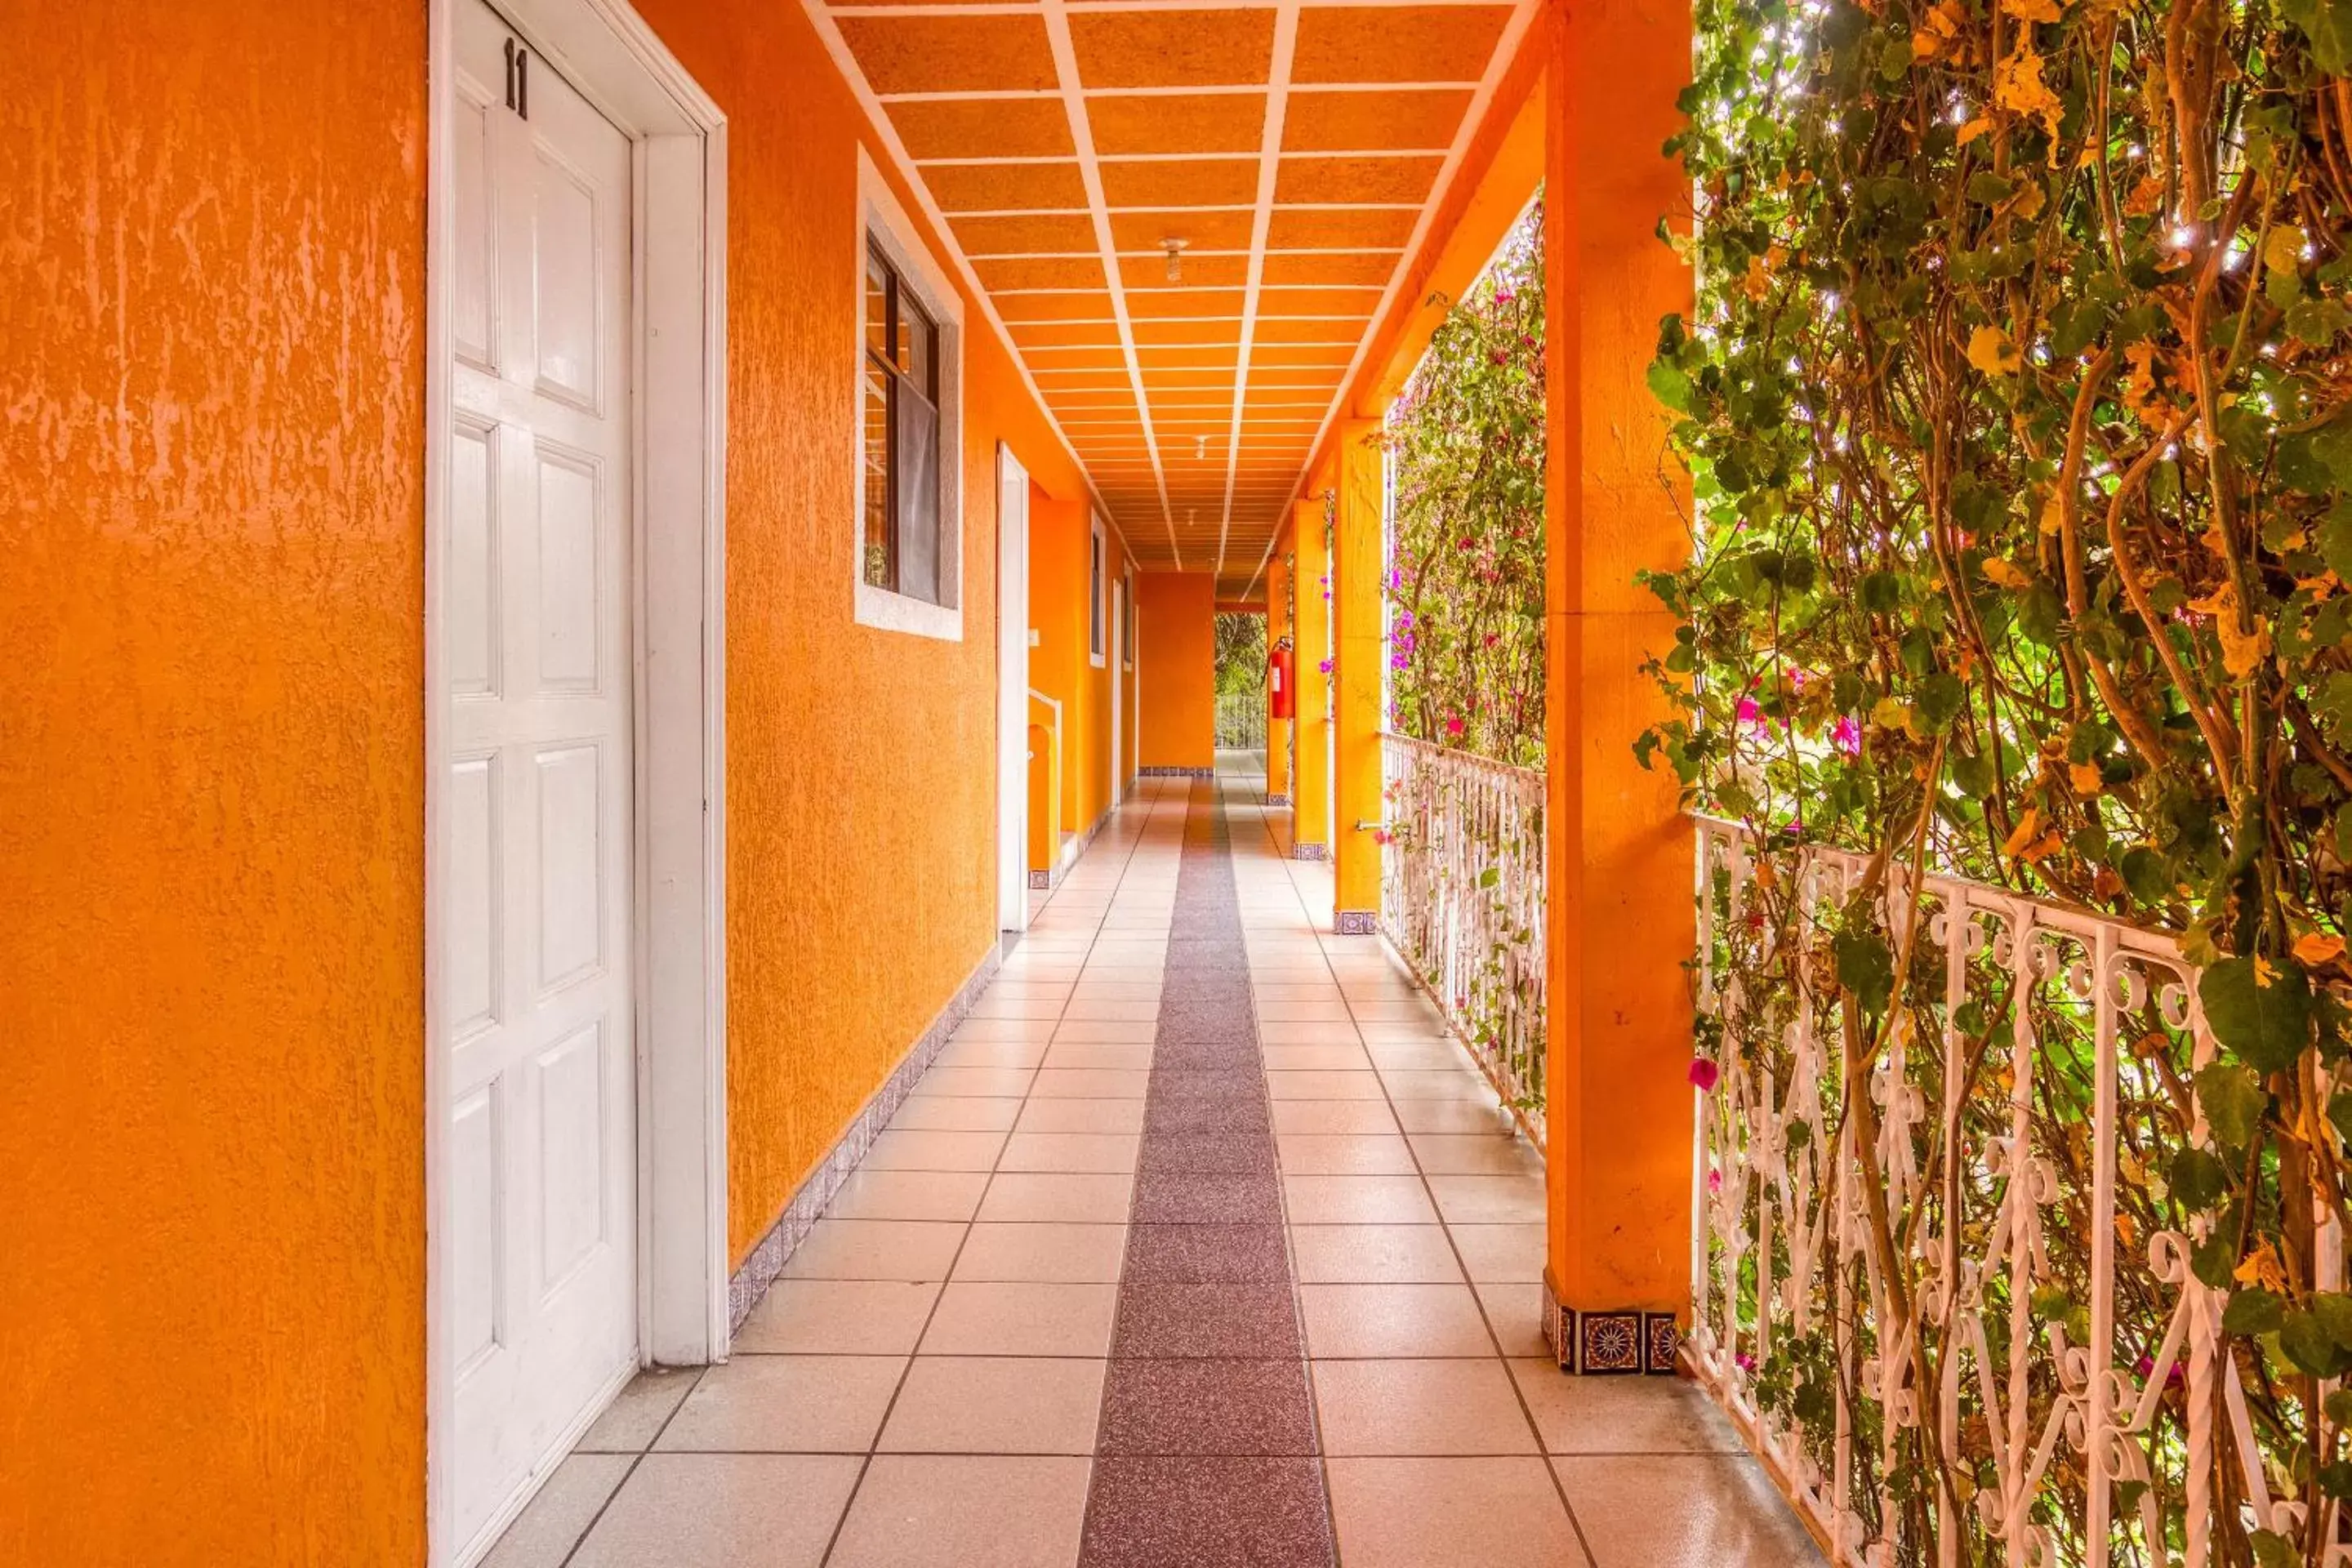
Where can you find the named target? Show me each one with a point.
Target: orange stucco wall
(212, 418)
(1176, 667)
(212, 249)
(1061, 662)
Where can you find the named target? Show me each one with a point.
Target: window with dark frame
(1133, 615)
(899, 532)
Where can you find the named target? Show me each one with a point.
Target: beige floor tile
(635, 1418)
(1333, 1011)
(786, 1405)
(1333, 1116)
(837, 1317)
(1475, 1154)
(1005, 1029)
(1130, 1011)
(1344, 1154)
(1065, 1197)
(1489, 1200)
(1373, 1254)
(1465, 1116)
(1722, 1511)
(994, 1005)
(880, 1192)
(1443, 1513)
(1381, 1005)
(1081, 1116)
(957, 1114)
(875, 1249)
(1389, 1320)
(1048, 1253)
(1117, 990)
(965, 1511)
(1363, 1085)
(1357, 1200)
(1448, 1083)
(1415, 1056)
(909, 1151)
(989, 1053)
(1085, 1056)
(1376, 1032)
(543, 1535)
(1501, 1252)
(1317, 1058)
(723, 1511)
(1023, 1319)
(993, 1404)
(1412, 1407)
(1090, 1083)
(1275, 1032)
(1294, 991)
(1515, 1312)
(989, 1082)
(1070, 1152)
(1622, 1414)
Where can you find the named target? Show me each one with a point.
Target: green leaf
(2260, 1012)
(2143, 872)
(2308, 1344)
(1939, 698)
(2328, 24)
(2234, 1099)
(2214, 1259)
(2253, 1311)
(1880, 592)
(1866, 968)
(1670, 385)
(2273, 1551)
(2199, 1179)
(1490, 876)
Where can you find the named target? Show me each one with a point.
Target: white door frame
(677, 605)
(1011, 691)
(1119, 610)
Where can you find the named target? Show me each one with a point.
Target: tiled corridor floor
(1201, 1245)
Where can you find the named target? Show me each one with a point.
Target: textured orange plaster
(1310, 800)
(1278, 626)
(1619, 1036)
(1359, 546)
(1176, 671)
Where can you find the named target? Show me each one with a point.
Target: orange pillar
(1310, 795)
(1358, 635)
(1619, 1100)
(1278, 627)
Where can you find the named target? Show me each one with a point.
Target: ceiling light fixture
(1175, 249)
(1200, 446)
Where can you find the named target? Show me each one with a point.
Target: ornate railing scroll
(1952, 1305)
(1462, 896)
(1241, 720)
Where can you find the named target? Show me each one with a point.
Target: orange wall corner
(1176, 670)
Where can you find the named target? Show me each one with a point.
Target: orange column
(1278, 627)
(1359, 635)
(1311, 794)
(1619, 1100)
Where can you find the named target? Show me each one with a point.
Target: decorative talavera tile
(800, 1216)
(1660, 1339)
(1166, 772)
(1309, 852)
(1041, 881)
(1357, 922)
(1607, 1343)
(1277, 799)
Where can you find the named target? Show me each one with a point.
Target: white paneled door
(537, 1207)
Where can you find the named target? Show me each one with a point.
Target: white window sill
(888, 612)
(1096, 659)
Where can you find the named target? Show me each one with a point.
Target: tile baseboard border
(1307, 851)
(1278, 797)
(816, 1192)
(1168, 773)
(1610, 1344)
(1355, 922)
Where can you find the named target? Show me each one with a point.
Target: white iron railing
(1974, 1338)
(1241, 720)
(1462, 896)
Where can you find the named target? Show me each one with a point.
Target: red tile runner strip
(1207, 1457)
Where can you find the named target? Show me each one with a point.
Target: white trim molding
(882, 221)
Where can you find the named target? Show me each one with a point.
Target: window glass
(900, 420)
(922, 345)
(877, 543)
(1095, 595)
(877, 306)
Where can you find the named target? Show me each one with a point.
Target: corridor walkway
(1201, 1245)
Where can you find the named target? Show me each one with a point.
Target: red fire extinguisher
(1278, 679)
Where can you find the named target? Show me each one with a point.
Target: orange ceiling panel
(1063, 334)
(1172, 47)
(1005, 187)
(1331, 266)
(1179, 183)
(1364, 122)
(1330, 181)
(1188, 329)
(1406, 43)
(1361, 229)
(1312, 330)
(986, 128)
(1070, 305)
(1040, 272)
(1200, 230)
(1188, 122)
(951, 54)
(1042, 234)
(1296, 301)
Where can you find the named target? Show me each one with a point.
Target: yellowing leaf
(1889, 713)
(2316, 950)
(1975, 128)
(1759, 281)
(2283, 249)
(2242, 648)
(2006, 573)
(2262, 1268)
(2140, 387)
(2017, 84)
(1991, 351)
(2053, 514)
(2027, 204)
(2023, 835)
(2085, 778)
(2031, 10)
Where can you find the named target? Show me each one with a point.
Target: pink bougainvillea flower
(1745, 1362)
(1505, 296)
(1847, 736)
(1454, 726)
(1703, 1074)
(2146, 1367)
(1324, 665)
(1382, 836)
(1714, 1181)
